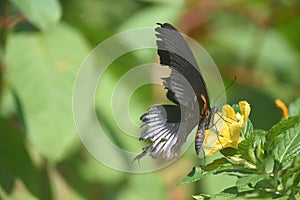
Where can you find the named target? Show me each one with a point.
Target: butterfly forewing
(174, 52)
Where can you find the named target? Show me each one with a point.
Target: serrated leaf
(278, 129)
(291, 172)
(248, 183)
(42, 78)
(296, 179)
(288, 146)
(246, 150)
(260, 136)
(252, 147)
(198, 173)
(43, 14)
(260, 141)
(246, 132)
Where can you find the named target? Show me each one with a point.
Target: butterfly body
(168, 126)
(206, 122)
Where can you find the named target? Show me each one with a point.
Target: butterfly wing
(169, 125)
(175, 53)
(162, 123)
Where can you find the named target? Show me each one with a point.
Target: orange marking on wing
(204, 105)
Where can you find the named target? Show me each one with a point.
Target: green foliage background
(43, 43)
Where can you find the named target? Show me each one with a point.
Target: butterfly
(168, 126)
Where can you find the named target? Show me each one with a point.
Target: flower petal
(228, 113)
(245, 109)
(283, 108)
(230, 131)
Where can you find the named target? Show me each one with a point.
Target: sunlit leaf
(7, 103)
(280, 128)
(42, 78)
(288, 146)
(43, 14)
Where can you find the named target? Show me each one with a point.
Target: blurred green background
(43, 43)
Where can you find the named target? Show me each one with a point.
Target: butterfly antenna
(228, 86)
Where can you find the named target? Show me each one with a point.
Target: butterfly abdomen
(199, 139)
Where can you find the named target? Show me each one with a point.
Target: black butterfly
(167, 126)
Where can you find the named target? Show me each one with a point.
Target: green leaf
(228, 193)
(195, 175)
(251, 148)
(260, 140)
(246, 150)
(248, 183)
(290, 172)
(278, 129)
(229, 151)
(237, 170)
(43, 14)
(202, 196)
(246, 132)
(15, 161)
(236, 108)
(287, 148)
(216, 164)
(296, 179)
(42, 78)
(260, 136)
(7, 103)
(277, 54)
(217, 167)
(294, 108)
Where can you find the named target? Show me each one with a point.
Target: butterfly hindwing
(162, 123)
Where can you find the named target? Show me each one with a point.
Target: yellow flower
(229, 135)
(283, 108)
